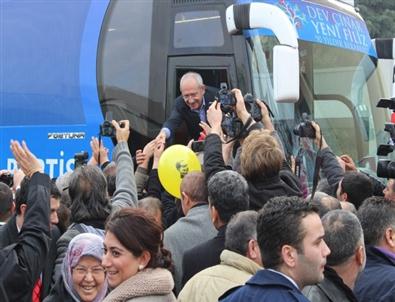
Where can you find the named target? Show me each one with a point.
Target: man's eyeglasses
(186, 97)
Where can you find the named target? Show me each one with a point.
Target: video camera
(305, 128)
(386, 167)
(231, 124)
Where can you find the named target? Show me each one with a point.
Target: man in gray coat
(196, 227)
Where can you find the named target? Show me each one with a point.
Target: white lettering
(51, 162)
(11, 164)
(61, 164)
(70, 163)
(317, 31)
(52, 166)
(311, 11)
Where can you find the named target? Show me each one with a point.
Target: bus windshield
(339, 89)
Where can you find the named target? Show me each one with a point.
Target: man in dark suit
(190, 107)
(227, 195)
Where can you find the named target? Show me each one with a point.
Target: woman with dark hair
(136, 264)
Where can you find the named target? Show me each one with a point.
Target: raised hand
(122, 133)
(26, 160)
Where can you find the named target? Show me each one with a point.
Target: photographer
(262, 161)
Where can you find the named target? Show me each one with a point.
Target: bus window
(337, 125)
(208, 21)
(124, 64)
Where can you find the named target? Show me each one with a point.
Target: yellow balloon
(174, 163)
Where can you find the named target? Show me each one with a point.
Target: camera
(253, 107)
(226, 100)
(385, 149)
(231, 124)
(305, 128)
(386, 168)
(197, 146)
(107, 129)
(80, 159)
(8, 179)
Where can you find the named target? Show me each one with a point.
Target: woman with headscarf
(136, 264)
(83, 278)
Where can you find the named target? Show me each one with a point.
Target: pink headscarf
(85, 244)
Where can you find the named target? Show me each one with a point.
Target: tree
(379, 16)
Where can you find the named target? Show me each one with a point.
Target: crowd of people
(244, 229)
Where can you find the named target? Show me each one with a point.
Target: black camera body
(305, 128)
(197, 146)
(80, 159)
(8, 179)
(226, 99)
(386, 168)
(231, 124)
(107, 129)
(253, 107)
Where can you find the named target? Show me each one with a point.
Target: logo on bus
(66, 135)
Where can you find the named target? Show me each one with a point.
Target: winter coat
(377, 281)
(331, 289)
(22, 262)
(265, 286)
(234, 270)
(148, 285)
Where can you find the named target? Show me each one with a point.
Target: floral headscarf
(85, 244)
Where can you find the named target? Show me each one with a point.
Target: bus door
(216, 71)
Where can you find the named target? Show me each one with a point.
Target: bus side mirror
(285, 74)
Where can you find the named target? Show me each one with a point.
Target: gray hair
(151, 204)
(241, 228)
(228, 193)
(376, 215)
(192, 75)
(343, 235)
(324, 203)
(62, 182)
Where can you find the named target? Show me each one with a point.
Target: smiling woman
(136, 264)
(83, 277)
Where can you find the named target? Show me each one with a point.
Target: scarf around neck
(148, 282)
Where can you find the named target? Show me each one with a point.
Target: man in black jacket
(344, 237)
(22, 262)
(190, 107)
(377, 281)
